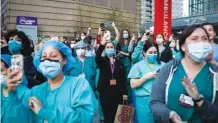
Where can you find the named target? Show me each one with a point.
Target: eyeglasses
(42, 60)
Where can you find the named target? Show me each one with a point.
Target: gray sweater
(158, 105)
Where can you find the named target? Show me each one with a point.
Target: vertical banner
(163, 18)
(29, 26)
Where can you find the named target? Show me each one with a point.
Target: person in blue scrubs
(85, 66)
(10, 109)
(62, 99)
(142, 76)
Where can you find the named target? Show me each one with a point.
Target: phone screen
(107, 24)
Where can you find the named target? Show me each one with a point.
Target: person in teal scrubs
(186, 89)
(137, 54)
(125, 57)
(10, 109)
(62, 99)
(84, 66)
(142, 76)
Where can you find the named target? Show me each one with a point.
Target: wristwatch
(199, 99)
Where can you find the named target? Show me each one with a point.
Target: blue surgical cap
(65, 50)
(80, 44)
(6, 58)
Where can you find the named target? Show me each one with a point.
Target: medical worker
(164, 51)
(185, 90)
(84, 66)
(11, 111)
(112, 81)
(137, 54)
(142, 76)
(62, 99)
(125, 56)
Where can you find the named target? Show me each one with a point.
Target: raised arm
(88, 31)
(98, 57)
(137, 54)
(131, 44)
(116, 31)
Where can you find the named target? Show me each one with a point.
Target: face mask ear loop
(60, 63)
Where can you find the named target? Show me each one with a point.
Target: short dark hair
(148, 45)
(84, 33)
(186, 33)
(5, 64)
(65, 37)
(207, 23)
(26, 42)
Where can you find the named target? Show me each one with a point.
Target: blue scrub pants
(143, 113)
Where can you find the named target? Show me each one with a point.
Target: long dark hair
(148, 45)
(27, 49)
(186, 33)
(121, 43)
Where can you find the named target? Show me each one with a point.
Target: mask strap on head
(51, 60)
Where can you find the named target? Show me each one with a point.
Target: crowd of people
(84, 80)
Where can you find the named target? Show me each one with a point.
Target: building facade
(199, 7)
(147, 11)
(177, 9)
(66, 17)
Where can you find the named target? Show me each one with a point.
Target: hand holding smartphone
(17, 64)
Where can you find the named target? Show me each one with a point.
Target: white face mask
(80, 52)
(3, 79)
(83, 37)
(199, 51)
(72, 46)
(159, 41)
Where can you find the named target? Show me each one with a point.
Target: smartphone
(102, 27)
(17, 64)
(107, 24)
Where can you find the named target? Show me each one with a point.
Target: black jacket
(106, 75)
(166, 55)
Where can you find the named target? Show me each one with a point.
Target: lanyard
(112, 69)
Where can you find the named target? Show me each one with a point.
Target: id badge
(82, 75)
(186, 101)
(113, 82)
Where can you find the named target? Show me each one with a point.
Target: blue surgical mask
(125, 36)
(199, 51)
(14, 46)
(152, 58)
(50, 69)
(109, 52)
